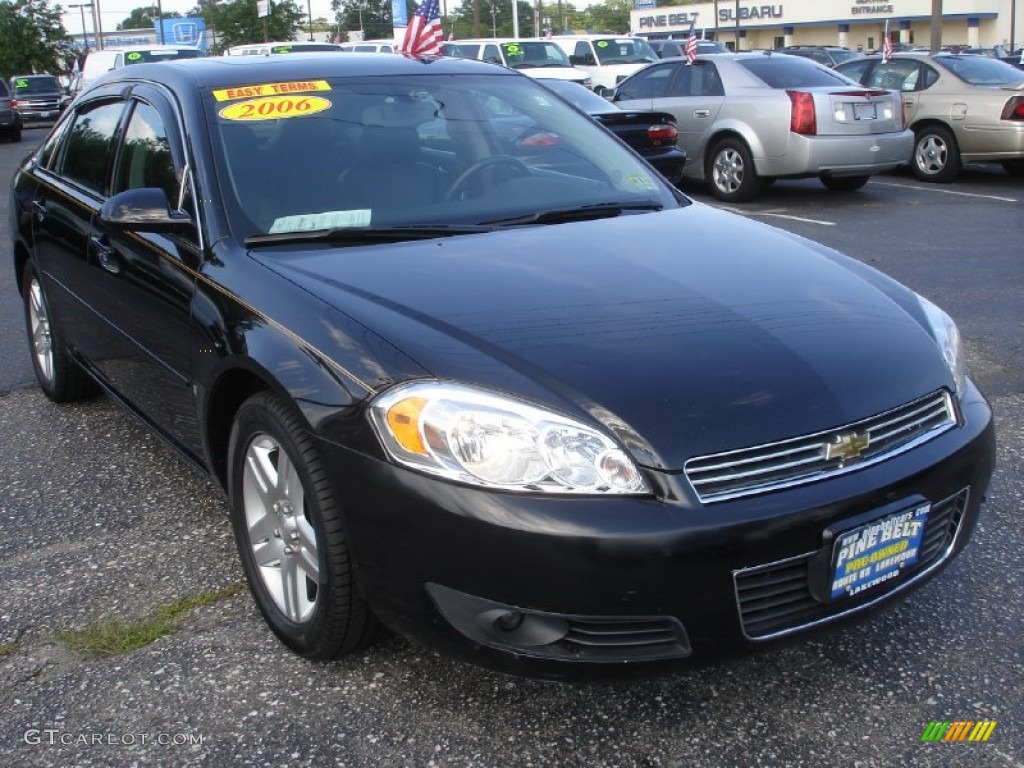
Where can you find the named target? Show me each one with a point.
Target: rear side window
(982, 70)
(791, 72)
(856, 69)
(89, 143)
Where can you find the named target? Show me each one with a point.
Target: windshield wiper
(579, 213)
(358, 235)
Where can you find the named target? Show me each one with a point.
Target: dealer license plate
(877, 552)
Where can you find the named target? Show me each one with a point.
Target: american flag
(424, 35)
(691, 45)
(887, 44)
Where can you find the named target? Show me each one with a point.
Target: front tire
(936, 155)
(60, 377)
(291, 536)
(730, 171)
(844, 183)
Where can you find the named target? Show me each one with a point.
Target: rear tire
(844, 183)
(291, 536)
(730, 172)
(936, 155)
(60, 377)
(1014, 167)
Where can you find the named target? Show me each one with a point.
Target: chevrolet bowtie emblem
(846, 446)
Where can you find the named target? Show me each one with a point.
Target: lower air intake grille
(775, 599)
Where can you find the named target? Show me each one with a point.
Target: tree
(373, 17)
(143, 18)
(32, 38)
(236, 22)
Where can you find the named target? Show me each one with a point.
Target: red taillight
(14, 103)
(1014, 109)
(664, 133)
(801, 116)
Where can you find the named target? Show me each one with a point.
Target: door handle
(105, 255)
(701, 112)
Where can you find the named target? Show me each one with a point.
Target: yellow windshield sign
(270, 89)
(275, 107)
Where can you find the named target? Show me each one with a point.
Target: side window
(685, 81)
(648, 84)
(706, 80)
(492, 54)
(929, 79)
(894, 74)
(89, 144)
(145, 159)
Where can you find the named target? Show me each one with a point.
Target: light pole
(159, 22)
(309, 10)
(81, 7)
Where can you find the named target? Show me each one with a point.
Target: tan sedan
(962, 108)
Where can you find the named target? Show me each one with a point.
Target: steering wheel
(517, 166)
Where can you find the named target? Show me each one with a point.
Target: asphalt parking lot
(99, 522)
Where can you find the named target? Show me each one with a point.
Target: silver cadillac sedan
(749, 118)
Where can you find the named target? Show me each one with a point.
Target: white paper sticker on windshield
(309, 222)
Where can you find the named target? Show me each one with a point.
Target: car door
(692, 93)
(72, 172)
(146, 281)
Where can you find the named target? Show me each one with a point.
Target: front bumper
(494, 576)
(839, 155)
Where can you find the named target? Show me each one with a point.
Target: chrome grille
(775, 599)
(764, 468)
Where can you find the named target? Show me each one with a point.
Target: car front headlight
(947, 336)
(497, 441)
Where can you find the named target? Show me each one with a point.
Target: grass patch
(112, 637)
(6, 649)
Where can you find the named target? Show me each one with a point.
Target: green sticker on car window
(281, 49)
(602, 43)
(21, 83)
(513, 49)
(643, 182)
(133, 56)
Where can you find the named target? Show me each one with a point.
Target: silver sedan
(962, 108)
(745, 119)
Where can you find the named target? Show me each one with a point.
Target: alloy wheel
(281, 534)
(728, 170)
(39, 328)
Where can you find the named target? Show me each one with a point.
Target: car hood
(685, 332)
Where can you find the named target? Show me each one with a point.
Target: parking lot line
(946, 191)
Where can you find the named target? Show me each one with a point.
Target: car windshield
(624, 50)
(530, 55)
(24, 86)
(982, 70)
(792, 72)
(144, 56)
(428, 151)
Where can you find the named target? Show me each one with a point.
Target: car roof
(227, 71)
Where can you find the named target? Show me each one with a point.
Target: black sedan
(555, 422)
(653, 134)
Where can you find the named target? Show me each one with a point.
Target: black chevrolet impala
(543, 412)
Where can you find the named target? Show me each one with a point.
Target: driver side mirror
(144, 209)
(585, 60)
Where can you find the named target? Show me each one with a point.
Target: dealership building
(855, 24)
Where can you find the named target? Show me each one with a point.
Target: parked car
(560, 424)
(666, 49)
(830, 56)
(369, 46)
(652, 134)
(542, 59)
(10, 119)
(962, 109)
(97, 63)
(40, 98)
(748, 118)
(287, 46)
(608, 59)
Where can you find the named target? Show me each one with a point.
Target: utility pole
(81, 7)
(936, 42)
